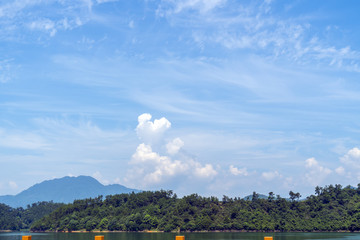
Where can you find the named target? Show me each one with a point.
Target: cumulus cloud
(352, 158)
(268, 176)
(204, 172)
(236, 171)
(151, 167)
(340, 170)
(174, 146)
(151, 132)
(351, 164)
(316, 173)
(156, 168)
(160, 166)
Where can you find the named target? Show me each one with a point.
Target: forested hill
(20, 218)
(332, 208)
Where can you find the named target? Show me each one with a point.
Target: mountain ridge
(63, 190)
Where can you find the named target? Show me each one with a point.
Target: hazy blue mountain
(261, 196)
(63, 190)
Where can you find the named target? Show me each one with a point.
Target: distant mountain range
(63, 190)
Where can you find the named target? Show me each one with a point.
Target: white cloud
(203, 6)
(98, 176)
(268, 176)
(151, 168)
(53, 26)
(13, 185)
(45, 25)
(236, 171)
(22, 140)
(255, 27)
(205, 172)
(340, 170)
(352, 158)
(151, 132)
(174, 146)
(289, 183)
(51, 16)
(9, 186)
(154, 166)
(316, 173)
(6, 72)
(105, 1)
(12, 8)
(351, 161)
(310, 163)
(145, 154)
(131, 24)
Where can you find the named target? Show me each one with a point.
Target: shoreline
(214, 231)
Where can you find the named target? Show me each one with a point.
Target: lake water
(171, 236)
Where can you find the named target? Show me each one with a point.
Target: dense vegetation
(20, 218)
(332, 208)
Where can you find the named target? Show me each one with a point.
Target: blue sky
(218, 97)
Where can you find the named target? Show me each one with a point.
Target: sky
(215, 97)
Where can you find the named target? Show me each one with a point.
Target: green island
(332, 208)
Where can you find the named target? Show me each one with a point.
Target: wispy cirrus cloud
(7, 71)
(170, 7)
(258, 28)
(20, 17)
(19, 140)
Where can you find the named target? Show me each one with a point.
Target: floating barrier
(101, 237)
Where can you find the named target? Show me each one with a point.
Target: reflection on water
(171, 236)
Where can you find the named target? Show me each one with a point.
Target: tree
(271, 196)
(255, 196)
(103, 223)
(318, 190)
(294, 196)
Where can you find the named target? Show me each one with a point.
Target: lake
(171, 236)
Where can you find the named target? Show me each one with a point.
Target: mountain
(63, 190)
(261, 196)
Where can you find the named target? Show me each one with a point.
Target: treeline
(20, 218)
(332, 208)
